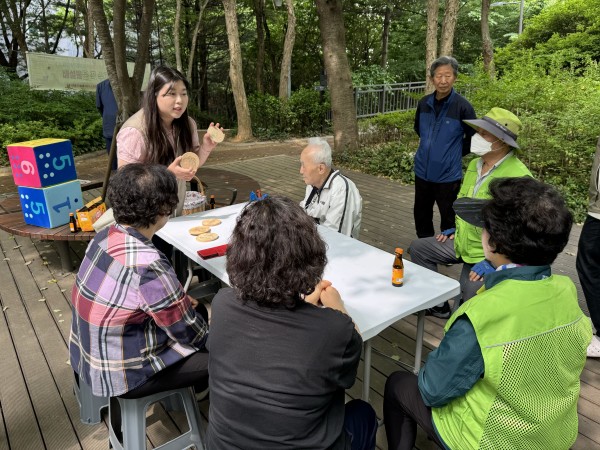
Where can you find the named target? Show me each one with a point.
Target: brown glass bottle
(72, 223)
(398, 269)
(211, 203)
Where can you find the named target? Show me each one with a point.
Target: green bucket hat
(501, 123)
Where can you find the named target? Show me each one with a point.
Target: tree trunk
(488, 46)
(448, 27)
(176, 31)
(288, 48)
(195, 39)
(259, 14)
(331, 24)
(45, 28)
(272, 58)
(236, 73)
(158, 37)
(126, 89)
(89, 47)
(387, 19)
(203, 75)
(16, 21)
(62, 27)
(431, 39)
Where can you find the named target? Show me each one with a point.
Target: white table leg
(190, 275)
(366, 370)
(419, 340)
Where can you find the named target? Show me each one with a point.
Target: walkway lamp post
(521, 7)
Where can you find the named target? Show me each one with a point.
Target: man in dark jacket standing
(445, 138)
(107, 106)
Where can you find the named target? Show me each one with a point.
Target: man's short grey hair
(444, 61)
(322, 152)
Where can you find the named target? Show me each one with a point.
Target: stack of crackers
(203, 232)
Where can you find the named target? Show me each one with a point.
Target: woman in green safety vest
(506, 373)
(495, 143)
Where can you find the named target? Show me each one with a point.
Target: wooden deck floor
(37, 406)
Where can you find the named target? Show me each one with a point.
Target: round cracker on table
(211, 222)
(207, 237)
(216, 134)
(190, 160)
(195, 231)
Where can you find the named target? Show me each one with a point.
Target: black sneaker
(441, 312)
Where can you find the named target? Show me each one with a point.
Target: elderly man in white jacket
(331, 198)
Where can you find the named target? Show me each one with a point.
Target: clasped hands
(325, 294)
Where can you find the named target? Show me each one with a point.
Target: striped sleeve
(165, 301)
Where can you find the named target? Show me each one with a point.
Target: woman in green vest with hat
(494, 143)
(506, 373)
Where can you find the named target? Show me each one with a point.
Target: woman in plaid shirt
(135, 331)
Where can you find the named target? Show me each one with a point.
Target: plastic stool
(90, 406)
(133, 422)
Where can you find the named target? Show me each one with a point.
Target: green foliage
(303, 114)
(394, 160)
(388, 145)
(568, 31)
(373, 74)
(27, 114)
(384, 128)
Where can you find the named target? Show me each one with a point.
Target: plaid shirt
(131, 318)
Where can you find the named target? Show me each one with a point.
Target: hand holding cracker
(212, 137)
(190, 160)
(181, 173)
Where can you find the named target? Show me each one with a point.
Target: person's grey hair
(444, 61)
(322, 153)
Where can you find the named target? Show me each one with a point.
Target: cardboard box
(42, 162)
(49, 207)
(87, 215)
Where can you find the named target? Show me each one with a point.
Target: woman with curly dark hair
(135, 332)
(283, 348)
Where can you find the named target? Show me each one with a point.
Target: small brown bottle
(398, 269)
(72, 223)
(211, 203)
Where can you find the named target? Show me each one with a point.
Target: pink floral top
(131, 144)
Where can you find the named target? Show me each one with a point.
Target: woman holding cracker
(162, 132)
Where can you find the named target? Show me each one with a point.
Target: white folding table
(360, 272)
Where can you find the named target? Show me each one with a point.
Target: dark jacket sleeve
(417, 119)
(468, 113)
(99, 104)
(454, 367)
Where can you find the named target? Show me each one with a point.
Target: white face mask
(480, 146)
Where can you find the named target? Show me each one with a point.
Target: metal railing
(376, 99)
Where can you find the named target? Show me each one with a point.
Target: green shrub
(398, 126)
(266, 114)
(83, 136)
(26, 114)
(306, 112)
(373, 74)
(394, 160)
(303, 114)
